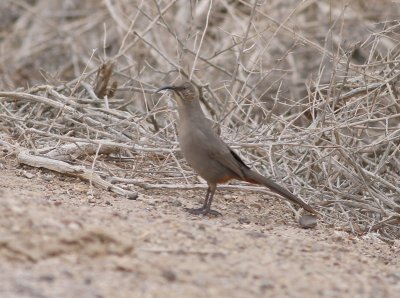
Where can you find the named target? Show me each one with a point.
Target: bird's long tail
(254, 177)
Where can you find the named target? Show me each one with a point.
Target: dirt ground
(60, 238)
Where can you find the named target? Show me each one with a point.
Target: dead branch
(77, 171)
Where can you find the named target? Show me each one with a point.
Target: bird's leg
(202, 209)
(206, 208)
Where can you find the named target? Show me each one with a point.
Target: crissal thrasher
(208, 155)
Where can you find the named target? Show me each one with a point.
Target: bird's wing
(221, 152)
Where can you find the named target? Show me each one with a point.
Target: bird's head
(185, 92)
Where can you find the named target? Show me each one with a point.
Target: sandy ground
(59, 238)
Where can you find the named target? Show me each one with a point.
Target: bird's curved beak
(165, 88)
(173, 88)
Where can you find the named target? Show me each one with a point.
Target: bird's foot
(204, 211)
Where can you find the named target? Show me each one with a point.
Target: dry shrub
(307, 90)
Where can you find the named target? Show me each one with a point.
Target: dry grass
(307, 91)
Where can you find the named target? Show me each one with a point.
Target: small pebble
(308, 221)
(176, 203)
(169, 275)
(28, 175)
(48, 177)
(244, 220)
(132, 196)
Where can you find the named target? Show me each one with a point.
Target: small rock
(308, 221)
(28, 175)
(394, 276)
(176, 203)
(169, 275)
(244, 220)
(74, 226)
(229, 197)
(132, 196)
(48, 177)
(47, 278)
(265, 286)
(255, 234)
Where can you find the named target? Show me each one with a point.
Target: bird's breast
(195, 148)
